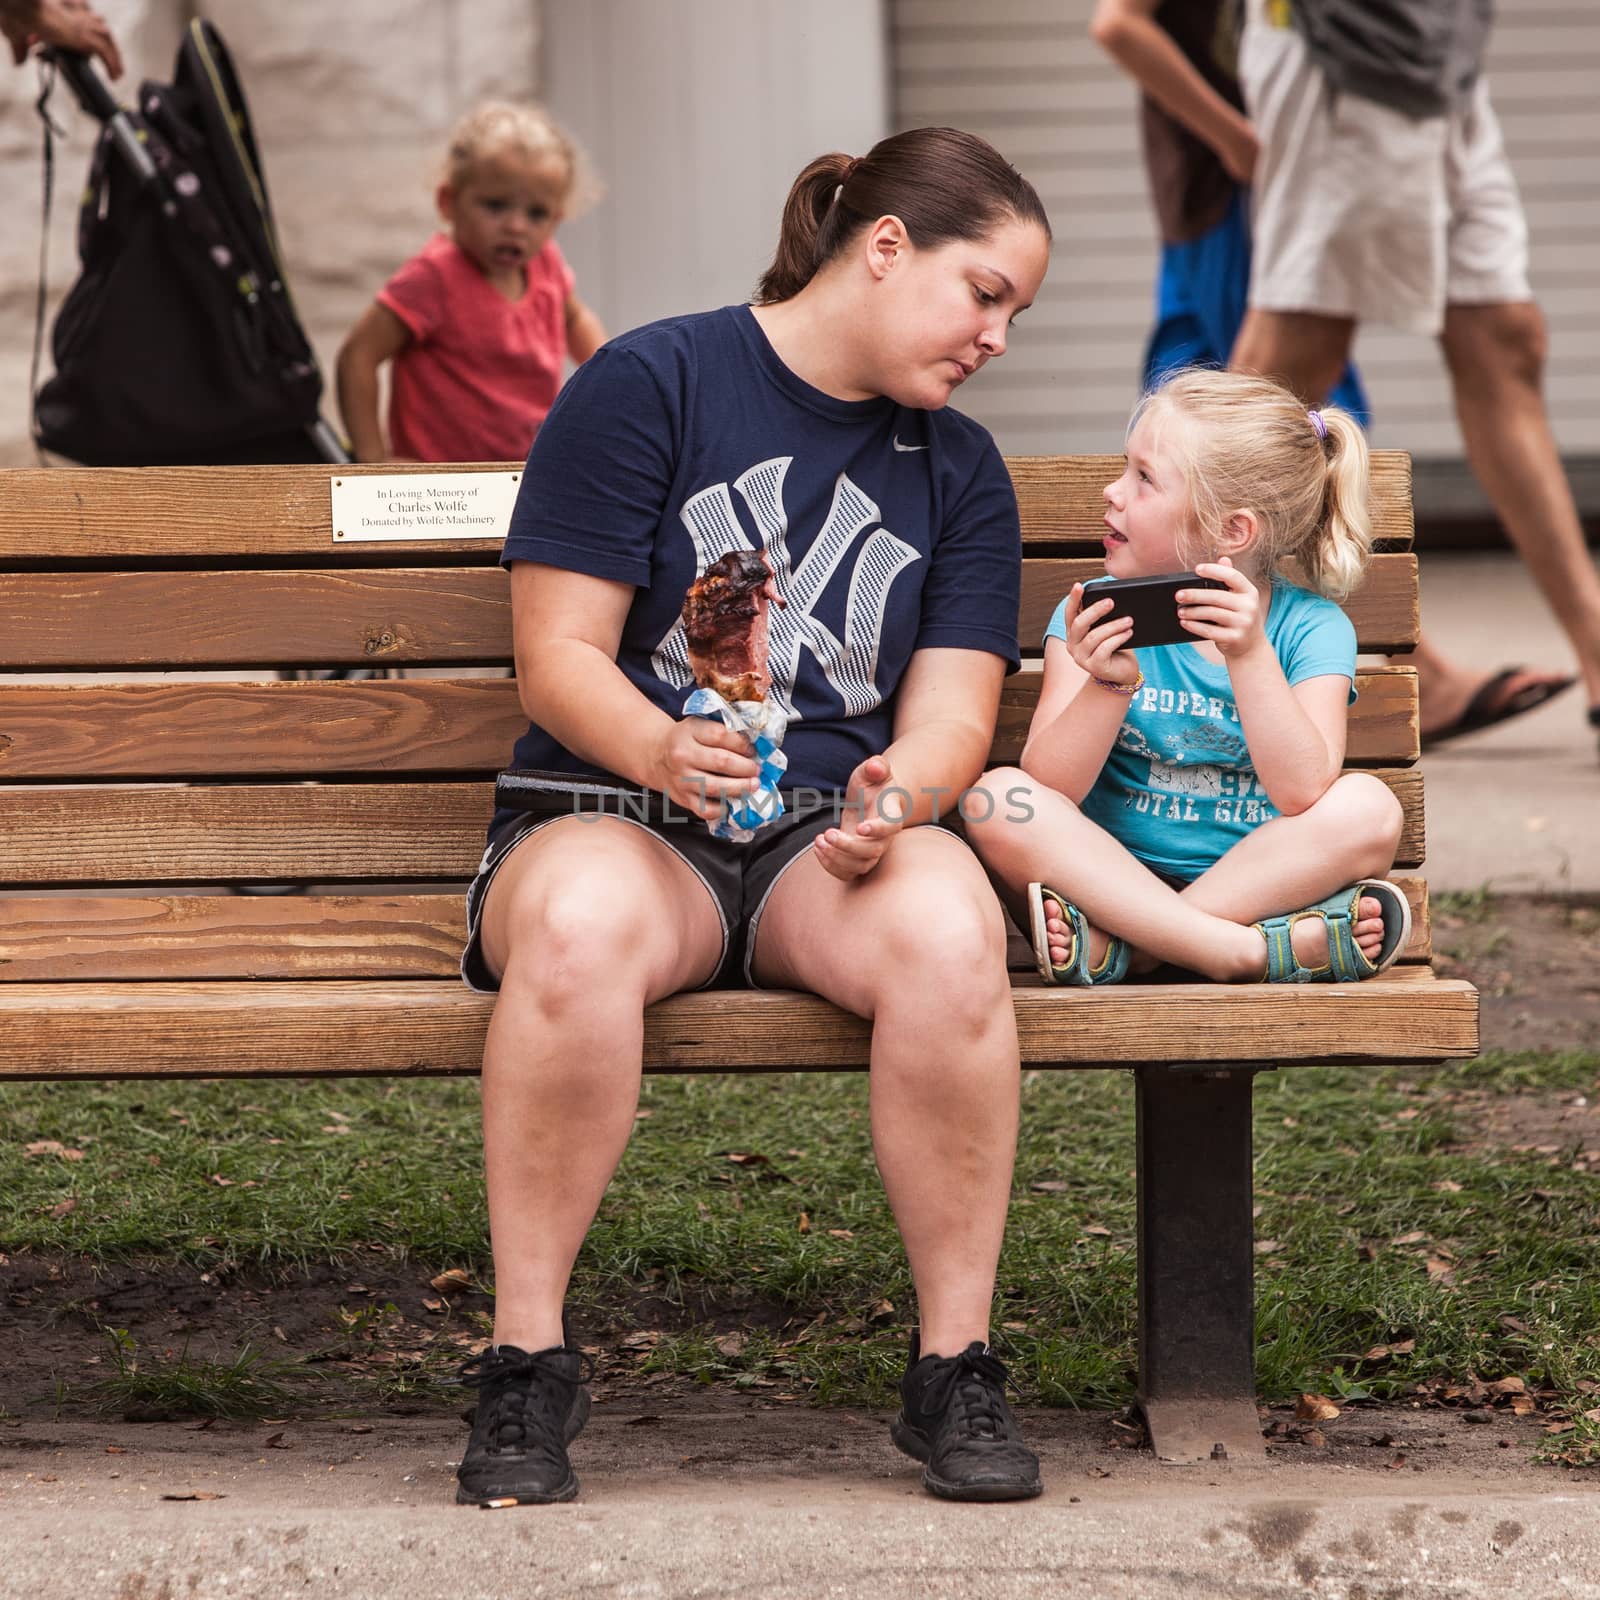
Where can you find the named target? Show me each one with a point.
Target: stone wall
(351, 104)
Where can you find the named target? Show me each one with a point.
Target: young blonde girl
(1179, 804)
(479, 324)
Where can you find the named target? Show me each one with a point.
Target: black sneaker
(954, 1416)
(530, 1408)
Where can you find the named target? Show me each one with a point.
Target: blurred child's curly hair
(1247, 443)
(500, 126)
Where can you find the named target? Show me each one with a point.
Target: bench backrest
(148, 741)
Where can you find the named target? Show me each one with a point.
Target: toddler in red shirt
(478, 325)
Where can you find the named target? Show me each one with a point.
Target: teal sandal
(1339, 914)
(1076, 973)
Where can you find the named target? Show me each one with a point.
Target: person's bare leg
(918, 947)
(1308, 351)
(1496, 358)
(1303, 350)
(1291, 862)
(587, 923)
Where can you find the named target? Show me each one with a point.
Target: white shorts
(1361, 211)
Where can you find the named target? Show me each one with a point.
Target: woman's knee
(942, 947)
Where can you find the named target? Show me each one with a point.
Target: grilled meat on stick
(725, 618)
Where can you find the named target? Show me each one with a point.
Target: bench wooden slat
(1060, 497)
(63, 621)
(194, 728)
(400, 1028)
(272, 833)
(122, 938)
(1384, 610)
(109, 514)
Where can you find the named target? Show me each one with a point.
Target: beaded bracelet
(1129, 689)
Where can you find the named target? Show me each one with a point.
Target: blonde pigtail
(1335, 557)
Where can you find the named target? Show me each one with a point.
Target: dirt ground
(379, 1334)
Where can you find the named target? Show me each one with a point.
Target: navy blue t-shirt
(889, 530)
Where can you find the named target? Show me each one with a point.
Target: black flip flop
(1486, 707)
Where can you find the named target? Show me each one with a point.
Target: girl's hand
(699, 762)
(1098, 646)
(1233, 619)
(874, 812)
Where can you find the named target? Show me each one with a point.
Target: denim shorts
(739, 877)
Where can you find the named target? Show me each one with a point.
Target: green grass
(1350, 1163)
(162, 1386)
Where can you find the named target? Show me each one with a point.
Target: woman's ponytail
(941, 183)
(815, 196)
(1335, 557)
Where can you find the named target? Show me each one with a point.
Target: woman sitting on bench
(812, 426)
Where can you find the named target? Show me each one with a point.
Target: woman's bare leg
(918, 947)
(587, 923)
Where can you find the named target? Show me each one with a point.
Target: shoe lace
(972, 1387)
(521, 1407)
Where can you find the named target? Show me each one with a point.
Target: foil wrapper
(763, 724)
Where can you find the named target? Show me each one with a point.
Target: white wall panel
(698, 115)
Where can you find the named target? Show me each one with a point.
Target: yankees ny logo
(850, 666)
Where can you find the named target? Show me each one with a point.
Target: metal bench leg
(1196, 1264)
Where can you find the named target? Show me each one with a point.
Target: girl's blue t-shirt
(1178, 788)
(889, 530)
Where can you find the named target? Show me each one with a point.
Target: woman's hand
(1233, 619)
(874, 812)
(698, 762)
(1098, 646)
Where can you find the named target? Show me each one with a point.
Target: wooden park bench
(133, 809)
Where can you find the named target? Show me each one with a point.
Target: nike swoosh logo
(907, 447)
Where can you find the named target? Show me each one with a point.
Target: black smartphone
(1151, 602)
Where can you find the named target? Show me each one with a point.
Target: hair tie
(1318, 423)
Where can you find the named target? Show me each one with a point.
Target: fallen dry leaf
(65, 1209)
(1050, 1186)
(840, 1233)
(195, 1494)
(276, 1441)
(1315, 1408)
(430, 1304)
(803, 1223)
(1095, 1231)
(1265, 1247)
(1382, 1352)
(52, 1147)
(452, 1281)
(1396, 1464)
(1447, 1186)
(1508, 1386)
(1441, 1271)
(730, 1344)
(1410, 1238)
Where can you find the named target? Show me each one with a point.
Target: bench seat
(191, 759)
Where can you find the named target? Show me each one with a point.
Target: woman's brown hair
(943, 184)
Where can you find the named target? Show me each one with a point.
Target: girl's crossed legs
(1351, 832)
(589, 922)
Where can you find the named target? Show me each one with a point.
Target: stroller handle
(91, 90)
(95, 96)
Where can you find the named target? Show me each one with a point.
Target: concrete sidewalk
(1518, 806)
(750, 1502)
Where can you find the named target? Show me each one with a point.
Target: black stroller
(179, 343)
